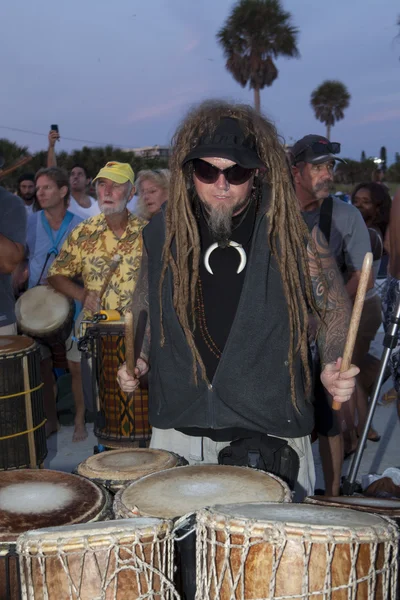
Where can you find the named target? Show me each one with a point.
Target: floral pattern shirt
(88, 252)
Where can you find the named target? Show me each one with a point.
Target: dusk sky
(125, 72)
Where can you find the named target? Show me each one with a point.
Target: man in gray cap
(229, 279)
(12, 249)
(313, 160)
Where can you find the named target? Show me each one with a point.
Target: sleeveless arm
(140, 308)
(332, 333)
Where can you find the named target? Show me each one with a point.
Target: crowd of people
(246, 268)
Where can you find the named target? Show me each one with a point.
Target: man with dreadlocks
(231, 274)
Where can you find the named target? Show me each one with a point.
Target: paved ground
(65, 456)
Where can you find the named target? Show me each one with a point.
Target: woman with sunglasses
(153, 190)
(374, 203)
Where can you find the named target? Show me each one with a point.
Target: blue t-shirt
(39, 244)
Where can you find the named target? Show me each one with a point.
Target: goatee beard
(220, 223)
(220, 220)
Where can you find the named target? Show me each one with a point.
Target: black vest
(251, 386)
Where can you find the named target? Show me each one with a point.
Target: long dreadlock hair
(287, 232)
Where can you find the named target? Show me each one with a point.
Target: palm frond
(255, 34)
(329, 101)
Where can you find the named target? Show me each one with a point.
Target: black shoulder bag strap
(325, 217)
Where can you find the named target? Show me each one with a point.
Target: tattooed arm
(330, 294)
(328, 286)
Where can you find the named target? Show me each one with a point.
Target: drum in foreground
(33, 499)
(22, 418)
(175, 492)
(118, 560)
(294, 551)
(116, 468)
(123, 418)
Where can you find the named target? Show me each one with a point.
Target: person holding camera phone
(80, 203)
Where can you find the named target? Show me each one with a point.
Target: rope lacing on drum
(102, 558)
(223, 548)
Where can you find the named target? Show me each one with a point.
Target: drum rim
(40, 333)
(332, 501)
(85, 468)
(101, 509)
(120, 508)
(97, 327)
(73, 539)
(214, 517)
(30, 347)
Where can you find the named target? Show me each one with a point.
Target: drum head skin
(32, 499)
(126, 465)
(81, 535)
(41, 310)
(175, 492)
(13, 344)
(301, 516)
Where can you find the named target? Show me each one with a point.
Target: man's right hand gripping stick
(355, 318)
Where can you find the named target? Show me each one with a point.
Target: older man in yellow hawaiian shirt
(89, 250)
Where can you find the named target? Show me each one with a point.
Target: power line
(65, 138)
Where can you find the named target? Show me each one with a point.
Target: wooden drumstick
(355, 318)
(111, 270)
(129, 343)
(16, 165)
(28, 414)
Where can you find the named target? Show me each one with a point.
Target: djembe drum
(386, 507)
(118, 560)
(280, 551)
(22, 419)
(172, 493)
(47, 316)
(122, 419)
(176, 492)
(117, 468)
(33, 499)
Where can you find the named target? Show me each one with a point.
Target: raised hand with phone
(53, 137)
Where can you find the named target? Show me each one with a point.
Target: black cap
(315, 149)
(229, 141)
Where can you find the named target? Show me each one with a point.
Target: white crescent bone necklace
(232, 244)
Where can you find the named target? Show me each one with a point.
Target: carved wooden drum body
(32, 499)
(22, 419)
(117, 560)
(282, 551)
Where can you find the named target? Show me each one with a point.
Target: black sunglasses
(207, 173)
(321, 148)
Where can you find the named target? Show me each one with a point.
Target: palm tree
(329, 101)
(254, 35)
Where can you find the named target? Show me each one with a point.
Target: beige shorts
(198, 450)
(71, 344)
